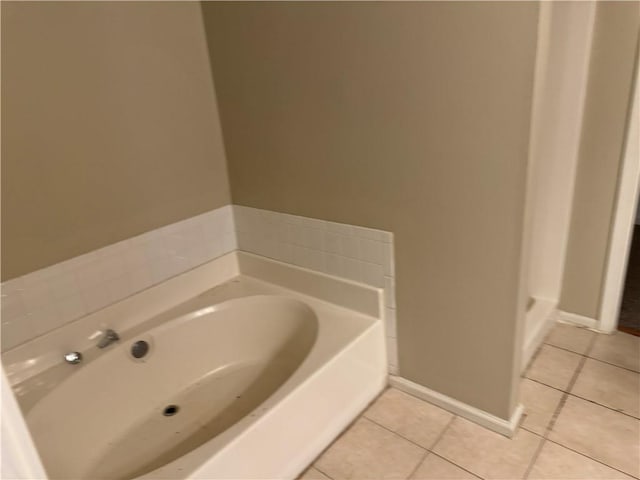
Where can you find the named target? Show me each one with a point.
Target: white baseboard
(542, 316)
(575, 319)
(485, 419)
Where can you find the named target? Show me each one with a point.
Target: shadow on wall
(109, 126)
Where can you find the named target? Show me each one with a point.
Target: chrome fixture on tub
(73, 357)
(108, 337)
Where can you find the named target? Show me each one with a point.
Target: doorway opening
(629, 317)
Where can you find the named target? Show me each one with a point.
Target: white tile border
(43, 352)
(46, 299)
(361, 254)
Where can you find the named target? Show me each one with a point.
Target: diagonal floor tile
(570, 337)
(436, 468)
(540, 403)
(600, 433)
(486, 453)
(608, 385)
(556, 462)
(619, 348)
(368, 451)
(409, 416)
(554, 367)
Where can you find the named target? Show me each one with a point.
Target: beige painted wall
(410, 117)
(109, 126)
(608, 94)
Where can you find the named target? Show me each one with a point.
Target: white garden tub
(259, 380)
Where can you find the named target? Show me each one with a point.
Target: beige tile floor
(582, 422)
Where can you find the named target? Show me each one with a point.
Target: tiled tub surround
(44, 300)
(356, 253)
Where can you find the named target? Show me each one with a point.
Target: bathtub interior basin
(251, 368)
(121, 417)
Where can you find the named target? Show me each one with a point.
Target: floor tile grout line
(396, 433)
(528, 429)
(577, 452)
(558, 409)
(321, 471)
(431, 451)
(444, 430)
(543, 438)
(426, 450)
(565, 349)
(363, 415)
(546, 385)
(572, 383)
(591, 458)
(581, 397)
(615, 365)
(586, 355)
(534, 457)
(415, 469)
(604, 406)
(454, 463)
(344, 431)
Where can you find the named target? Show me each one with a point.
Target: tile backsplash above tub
(46, 299)
(357, 253)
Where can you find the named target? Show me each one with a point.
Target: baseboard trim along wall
(575, 319)
(485, 419)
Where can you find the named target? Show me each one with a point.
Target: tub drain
(170, 410)
(139, 349)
